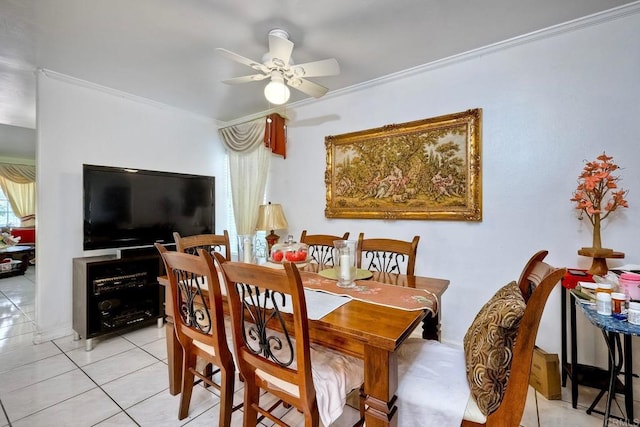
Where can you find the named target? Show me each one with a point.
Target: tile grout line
(5, 413)
(72, 397)
(100, 387)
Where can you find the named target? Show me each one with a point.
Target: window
(7, 218)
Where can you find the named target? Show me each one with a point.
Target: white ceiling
(164, 50)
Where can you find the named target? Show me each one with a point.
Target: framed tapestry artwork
(425, 169)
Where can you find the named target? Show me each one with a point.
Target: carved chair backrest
(387, 255)
(209, 242)
(321, 246)
(196, 298)
(265, 338)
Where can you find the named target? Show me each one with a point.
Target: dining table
(370, 331)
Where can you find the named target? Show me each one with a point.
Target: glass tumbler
(345, 262)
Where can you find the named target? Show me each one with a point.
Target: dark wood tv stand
(111, 294)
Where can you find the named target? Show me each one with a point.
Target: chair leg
(311, 419)
(251, 397)
(226, 395)
(208, 372)
(189, 361)
(361, 405)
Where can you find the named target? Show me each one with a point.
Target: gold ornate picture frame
(425, 169)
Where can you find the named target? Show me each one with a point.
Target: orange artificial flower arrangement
(598, 195)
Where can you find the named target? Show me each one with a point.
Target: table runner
(319, 304)
(375, 292)
(370, 291)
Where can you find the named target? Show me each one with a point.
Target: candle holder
(345, 262)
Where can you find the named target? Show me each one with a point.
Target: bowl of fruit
(289, 251)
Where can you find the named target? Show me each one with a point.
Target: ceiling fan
(279, 67)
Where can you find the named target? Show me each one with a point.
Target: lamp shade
(271, 217)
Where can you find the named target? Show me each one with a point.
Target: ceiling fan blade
(280, 50)
(241, 59)
(308, 87)
(246, 79)
(325, 67)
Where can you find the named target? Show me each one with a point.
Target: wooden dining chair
(199, 326)
(321, 246)
(387, 255)
(485, 383)
(208, 242)
(273, 351)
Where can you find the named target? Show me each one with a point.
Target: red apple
(290, 256)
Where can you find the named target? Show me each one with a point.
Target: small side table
(579, 374)
(612, 328)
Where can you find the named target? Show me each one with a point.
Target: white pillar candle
(345, 266)
(248, 250)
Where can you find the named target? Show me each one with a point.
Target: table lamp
(271, 217)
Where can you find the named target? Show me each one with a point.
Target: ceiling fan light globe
(276, 92)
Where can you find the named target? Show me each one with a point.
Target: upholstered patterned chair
(486, 382)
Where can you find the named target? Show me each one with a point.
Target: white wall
(82, 123)
(548, 104)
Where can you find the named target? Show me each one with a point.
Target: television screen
(132, 207)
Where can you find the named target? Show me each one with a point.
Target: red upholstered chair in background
(27, 235)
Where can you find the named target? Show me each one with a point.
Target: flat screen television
(126, 207)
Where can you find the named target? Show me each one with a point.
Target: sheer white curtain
(249, 163)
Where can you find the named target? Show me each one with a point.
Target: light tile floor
(123, 381)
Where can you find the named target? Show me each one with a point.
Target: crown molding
(553, 31)
(117, 93)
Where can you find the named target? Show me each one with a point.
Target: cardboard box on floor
(545, 374)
